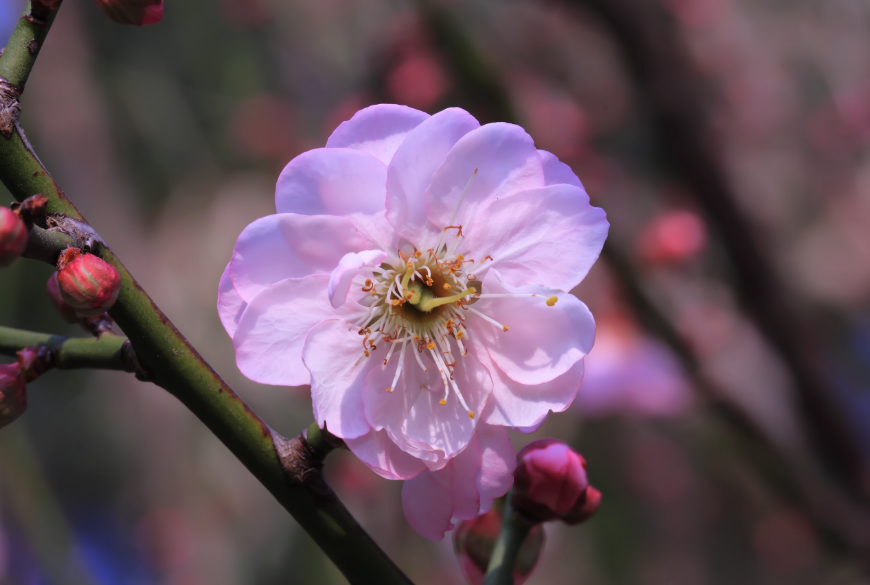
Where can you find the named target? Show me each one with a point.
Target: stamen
(456, 210)
(399, 368)
(490, 319)
(552, 300)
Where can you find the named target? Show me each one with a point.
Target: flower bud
(13, 237)
(549, 481)
(473, 541)
(584, 508)
(136, 12)
(87, 283)
(66, 311)
(13, 394)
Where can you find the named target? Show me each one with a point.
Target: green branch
(108, 352)
(178, 367)
(514, 531)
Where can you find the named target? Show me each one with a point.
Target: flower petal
(230, 305)
(428, 503)
(497, 464)
(382, 456)
(550, 236)
(449, 427)
(377, 130)
(332, 181)
(348, 267)
(333, 353)
(543, 342)
(287, 245)
(556, 172)
(271, 333)
(412, 167)
(506, 162)
(525, 407)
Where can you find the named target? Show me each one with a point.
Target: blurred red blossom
(672, 236)
(418, 80)
(135, 12)
(262, 126)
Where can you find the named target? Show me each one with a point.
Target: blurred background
(726, 410)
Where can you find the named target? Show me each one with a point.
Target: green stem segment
(105, 353)
(514, 530)
(178, 367)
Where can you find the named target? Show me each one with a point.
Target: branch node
(303, 466)
(10, 110)
(87, 239)
(131, 362)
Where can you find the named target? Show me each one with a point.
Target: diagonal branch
(177, 366)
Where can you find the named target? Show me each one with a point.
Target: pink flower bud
(13, 394)
(136, 12)
(584, 508)
(88, 284)
(13, 237)
(66, 311)
(473, 541)
(549, 481)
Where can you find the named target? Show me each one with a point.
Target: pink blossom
(414, 276)
(550, 479)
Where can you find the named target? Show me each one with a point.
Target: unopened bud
(136, 12)
(584, 508)
(549, 481)
(473, 541)
(66, 311)
(87, 283)
(13, 394)
(13, 237)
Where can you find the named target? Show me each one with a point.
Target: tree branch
(178, 367)
(108, 352)
(514, 530)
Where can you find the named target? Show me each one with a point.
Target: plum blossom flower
(415, 276)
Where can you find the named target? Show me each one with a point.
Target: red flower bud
(549, 481)
(13, 394)
(87, 283)
(66, 311)
(13, 237)
(137, 12)
(584, 508)
(473, 541)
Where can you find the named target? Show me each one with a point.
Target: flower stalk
(172, 360)
(514, 530)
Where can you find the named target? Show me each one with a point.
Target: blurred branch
(831, 512)
(666, 79)
(107, 352)
(514, 530)
(178, 367)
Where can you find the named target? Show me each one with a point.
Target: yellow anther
(418, 253)
(395, 302)
(367, 353)
(470, 415)
(460, 257)
(389, 390)
(552, 300)
(430, 345)
(505, 327)
(447, 286)
(460, 334)
(442, 402)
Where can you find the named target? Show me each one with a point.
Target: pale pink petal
(465, 470)
(271, 333)
(333, 353)
(377, 130)
(348, 267)
(382, 456)
(448, 427)
(428, 503)
(556, 172)
(332, 181)
(506, 162)
(411, 169)
(497, 463)
(542, 342)
(549, 236)
(230, 305)
(523, 406)
(277, 247)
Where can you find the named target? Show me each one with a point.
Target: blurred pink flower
(672, 236)
(400, 256)
(136, 12)
(629, 372)
(418, 80)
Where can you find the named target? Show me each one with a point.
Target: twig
(178, 367)
(514, 530)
